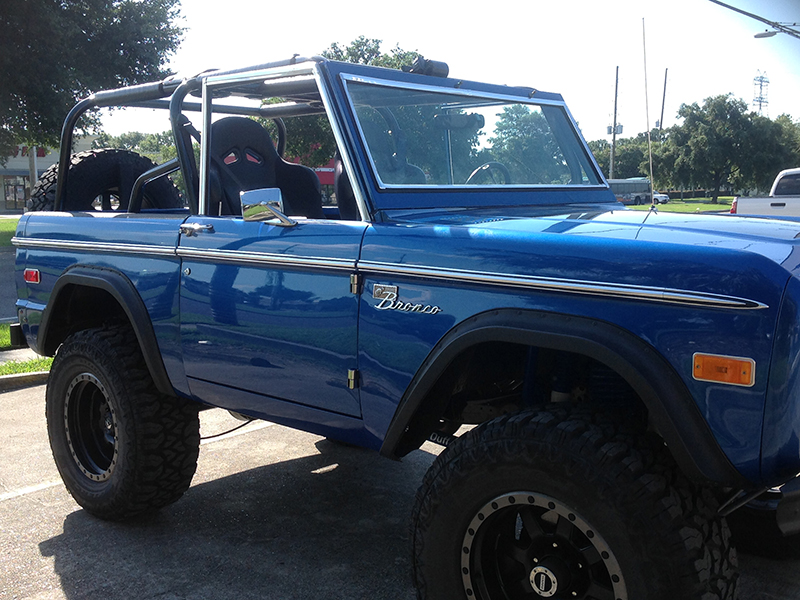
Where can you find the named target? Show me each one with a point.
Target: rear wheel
(561, 505)
(121, 447)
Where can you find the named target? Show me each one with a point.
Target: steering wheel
(490, 170)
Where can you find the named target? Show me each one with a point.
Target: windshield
(428, 138)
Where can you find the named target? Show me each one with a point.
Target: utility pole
(663, 101)
(614, 129)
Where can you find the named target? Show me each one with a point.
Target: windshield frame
(586, 158)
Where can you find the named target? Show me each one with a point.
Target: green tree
(367, 51)
(790, 137)
(630, 156)
(712, 142)
(158, 147)
(310, 139)
(722, 144)
(602, 154)
(767, 151)
(54, 52)
(525, 144)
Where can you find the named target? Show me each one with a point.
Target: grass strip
(14, 367)
(7, 229)
(691, 205)
(5, 336)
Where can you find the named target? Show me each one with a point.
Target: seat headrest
(246, 148)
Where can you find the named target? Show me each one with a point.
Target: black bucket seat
(244, 158)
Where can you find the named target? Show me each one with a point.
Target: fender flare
(671, 407)
(124, 292)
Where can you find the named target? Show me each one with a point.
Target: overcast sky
(566, 46)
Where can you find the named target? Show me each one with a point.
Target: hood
(775, 239)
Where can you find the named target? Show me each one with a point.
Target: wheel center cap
(543, 582)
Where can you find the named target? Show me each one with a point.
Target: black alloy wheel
(525, 545)
(565, 502)
(91, 427)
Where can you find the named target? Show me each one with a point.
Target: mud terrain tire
(561, 504)
(103, 180)
(122, 448)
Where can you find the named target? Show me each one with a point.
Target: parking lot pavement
(272, 514)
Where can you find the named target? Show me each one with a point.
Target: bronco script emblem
(387, 294)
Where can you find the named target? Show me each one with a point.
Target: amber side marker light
(717, 368)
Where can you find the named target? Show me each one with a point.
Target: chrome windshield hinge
(356, 283)
(352, 379)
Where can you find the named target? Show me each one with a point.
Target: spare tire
(103, 180)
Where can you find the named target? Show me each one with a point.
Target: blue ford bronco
(616, 390)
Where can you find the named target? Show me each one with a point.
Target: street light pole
(777, 27)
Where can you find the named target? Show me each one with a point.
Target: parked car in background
(660, 198)
(783, 199)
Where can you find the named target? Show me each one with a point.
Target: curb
(13, 382)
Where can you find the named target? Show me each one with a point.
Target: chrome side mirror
(265, 205)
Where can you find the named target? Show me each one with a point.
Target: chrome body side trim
(545, 284)
(105, 247)
(569, 286)
(266, 260)
(226, 256)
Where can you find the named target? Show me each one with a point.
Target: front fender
(671, 407)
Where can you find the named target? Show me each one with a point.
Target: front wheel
(552, 505)
(121, 447)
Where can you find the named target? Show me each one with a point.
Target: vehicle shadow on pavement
(332, 525)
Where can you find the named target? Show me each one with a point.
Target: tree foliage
(630, 158)
(310, 140)
(524, 142)
(719, 144)
(54, 52)
(158, 147)
(711, 143)
(367, 51)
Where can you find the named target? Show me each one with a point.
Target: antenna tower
(760, 93)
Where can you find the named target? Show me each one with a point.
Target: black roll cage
(153, 95)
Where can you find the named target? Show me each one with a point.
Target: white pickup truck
(783, 199)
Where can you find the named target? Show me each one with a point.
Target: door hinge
(352, 379)
(356, 283)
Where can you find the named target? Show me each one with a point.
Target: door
(269, 310)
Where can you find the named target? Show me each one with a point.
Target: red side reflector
(724, 369)
(32, 276)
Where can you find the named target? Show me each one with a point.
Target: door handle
(190, 229)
